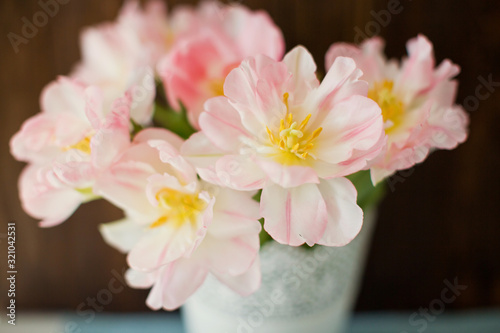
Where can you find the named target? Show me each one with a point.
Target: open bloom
(416, 100)
(178, 229)
(68, 145)
(70, 113)
(279, 129)
(218, 39)
(61, 125)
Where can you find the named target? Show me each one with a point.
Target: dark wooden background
(441, 223)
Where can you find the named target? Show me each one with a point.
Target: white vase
(303, 290)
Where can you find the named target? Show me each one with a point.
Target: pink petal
(122, 234)
(246, 283)
(239, 172)
(448, 126)
(94, 106)
(235, 214)
(369, 57)
(378, 174)
(256, 90)
(345, 217)
(222, 124)
(171, 156)
(341, 82)
(232, 256)
(255, 32)
(294, 216)
(155, 133)
(75, 174)
(232, 242)
(303, 68)
(65, 95)
(44, 197)
(177, 282)
(112, 137)
(416, 71)
(143, 92)
(200, 151)
(341, 50)
(44, 137)
(125, 186)
(287, 176)
(141, 280)
(353, 125)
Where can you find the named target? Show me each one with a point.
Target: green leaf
(136, 128)
(174, 121)
(368, 195)
(264, 236)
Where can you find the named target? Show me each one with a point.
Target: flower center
(83, 145)
(291, 137)
(216, 87)
(216, 81)
(392, 107)
(178, 207)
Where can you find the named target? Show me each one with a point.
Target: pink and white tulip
(62, 124)
(279, 129)
(178, 229)
(417, 101)
(69, 145)
(217, 40)
(120, 56)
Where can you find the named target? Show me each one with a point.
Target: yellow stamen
(294, 143)
(83, 145)
(304, 122)
(308, 146)
(282, 125)
(391, 105)
(315, 134)
(271, 136)
(162, 220)
(285, 99)
(177, 207)
(216, 87)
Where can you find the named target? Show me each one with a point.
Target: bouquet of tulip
(213, 141)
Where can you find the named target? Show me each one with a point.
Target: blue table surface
(487, 321)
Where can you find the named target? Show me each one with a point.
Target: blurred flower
(62, 124)
(70, 144)
(217, 38)
(120, 56)
(417, 101)
(279, 129)
(179, 229)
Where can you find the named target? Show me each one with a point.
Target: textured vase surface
(303, 290)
